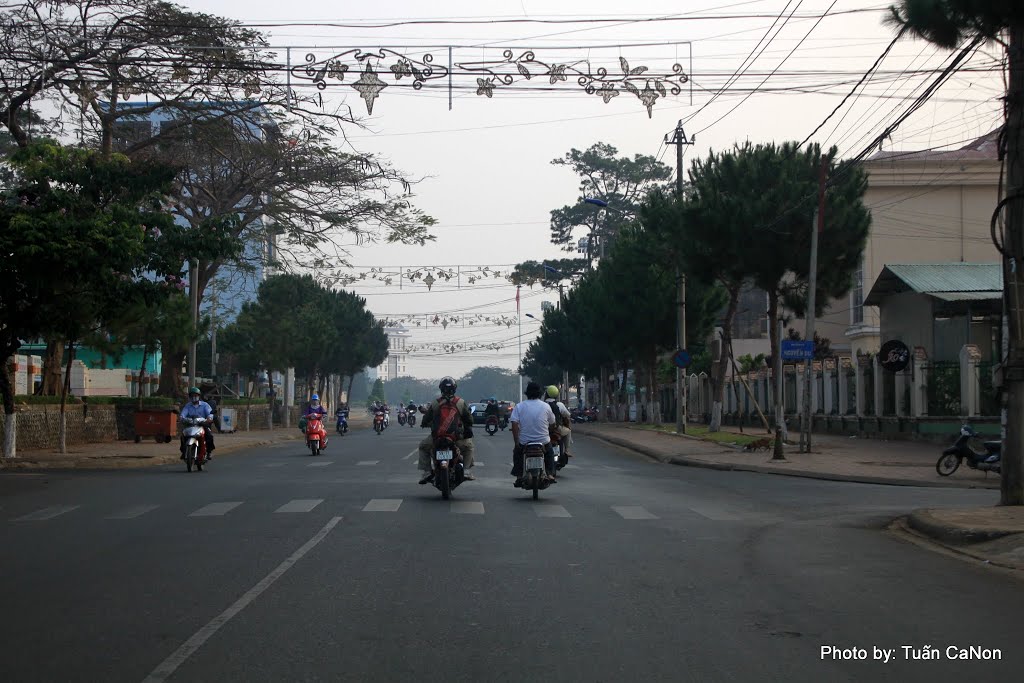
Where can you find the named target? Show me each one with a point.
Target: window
(857, 296)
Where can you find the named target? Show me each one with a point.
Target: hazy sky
(485, 165)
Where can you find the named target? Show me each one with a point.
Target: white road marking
(633, 512)
(300, 505)
(550, 510)
(368, 462)
(383, 505)
(467, 507)
(46, 513)
(322, 463)
(411, 454)
(133, 512)
(713, 512)
(215, 509)
(167, 667)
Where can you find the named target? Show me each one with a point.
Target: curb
(925, 523)
(758, 469)
(904, 527)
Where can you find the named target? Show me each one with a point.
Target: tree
(621, 182)
(377, 393)
(949, 23)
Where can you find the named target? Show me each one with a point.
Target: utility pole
(817, 225)
(565, 370)
(213, 336)
(679, 139)
(193, 293)
(519, 318)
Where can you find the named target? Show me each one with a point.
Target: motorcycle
(412, 418)
(378, 422)
(989, 461)
(316, 435)
(491, 425)
(446, 466)
(342, 425)
(401, 417)
(535, 475)
(561, 458)
(195, 443)
(503, 422)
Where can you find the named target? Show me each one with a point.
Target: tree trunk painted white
(716, 416)
(11, 435)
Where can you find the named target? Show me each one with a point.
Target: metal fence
(943, 388)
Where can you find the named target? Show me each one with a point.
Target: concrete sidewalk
(993, 535)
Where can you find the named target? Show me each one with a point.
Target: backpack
(447, 419)
(559, 418)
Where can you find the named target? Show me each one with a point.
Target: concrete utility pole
(817, 225)
(193, 294)
(1012, 480)
(565, 371)
(519, 318)
(679, 139)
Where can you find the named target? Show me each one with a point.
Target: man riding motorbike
(314, 409)
(562, 416)
(465, 430)
(491, 409)
(532, 422)
(196, 407)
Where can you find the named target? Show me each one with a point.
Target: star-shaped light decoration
(429, 281)
(369, 86)
(648, 96)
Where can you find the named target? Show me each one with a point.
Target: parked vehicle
(378, 422)
(316, 435)
(342, 425)
(477, 409)
(491, 426)
(195, 443)
(989, 461)
(447, 466)
(535, 474)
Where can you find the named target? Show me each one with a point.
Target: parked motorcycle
(989, 461)
(535, 475)
(491, 425)
(401, 417)
(316, 435)
(195, 443)
(447, 466)
(378, 422)
(342, 425)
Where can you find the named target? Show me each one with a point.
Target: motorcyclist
(464, 443)
(563, 417)
(491, 409)
(411, 408)
(197, 407)
(532, 422)
(387, 413)
(341, 414)
(314, 409)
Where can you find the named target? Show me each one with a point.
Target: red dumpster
(161, 424)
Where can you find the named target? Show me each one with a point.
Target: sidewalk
(994, 535)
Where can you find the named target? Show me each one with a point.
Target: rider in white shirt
(532, 421)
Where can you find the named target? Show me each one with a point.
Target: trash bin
(228, 419)
(161, 424)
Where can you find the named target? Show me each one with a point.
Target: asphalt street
(277, 566)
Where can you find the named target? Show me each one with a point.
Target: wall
(908, 317)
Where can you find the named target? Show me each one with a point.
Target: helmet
(552, 391)
(533, 390)
(447, 386)
(314, 397)
(194, 390)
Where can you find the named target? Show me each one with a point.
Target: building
(396, 363)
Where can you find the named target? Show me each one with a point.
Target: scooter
(447, 466)
(342, 425)
(561, 457)
(378, 422)
(195, 443)
(411, 420)
(989, 461)
(535, 474)
(491, 425)
(401, 417)
(316, 435)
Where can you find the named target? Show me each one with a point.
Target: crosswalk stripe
(467, 507)
(550, 510)
(215, 509)
(368, 462)
(133, 512)
(713, 512)
(383, 505)
(322, 463)
(46, 513)
(300, 505)
(633, 512)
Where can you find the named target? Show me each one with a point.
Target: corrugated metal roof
(949, 277)
(968, 296)
(948, 281)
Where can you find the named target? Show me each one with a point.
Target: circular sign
(681, 359)
(894, 355)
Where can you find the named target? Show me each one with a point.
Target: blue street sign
(797, 350)
(681, 359)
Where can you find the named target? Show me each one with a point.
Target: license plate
(535, 463)
(444, 455)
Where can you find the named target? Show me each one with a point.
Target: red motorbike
(378, 422)
(195, 442)
(316, 435)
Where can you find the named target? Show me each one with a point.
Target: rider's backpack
(447, 418)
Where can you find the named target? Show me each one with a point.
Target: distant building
(396, 364)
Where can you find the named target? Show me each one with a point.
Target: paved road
(275, 566)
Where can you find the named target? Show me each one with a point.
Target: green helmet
(552, 391)
(194, 390)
